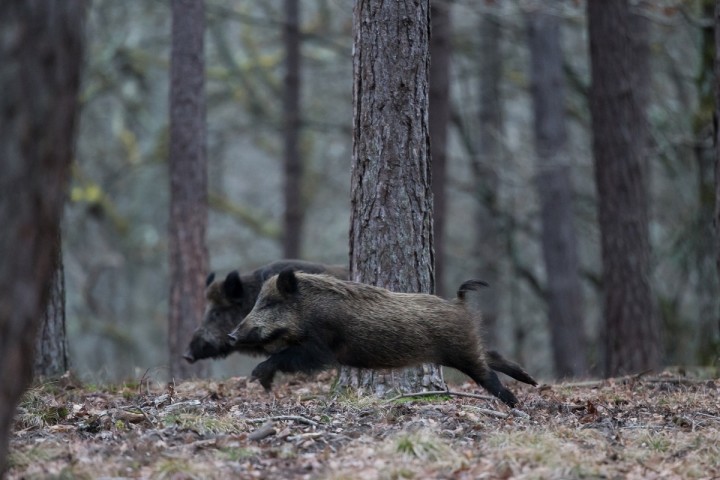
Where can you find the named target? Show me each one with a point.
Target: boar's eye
(269, 304)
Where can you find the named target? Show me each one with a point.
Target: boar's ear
(233, 287)
(287, 282)
(209, 279)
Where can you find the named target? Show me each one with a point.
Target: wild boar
(230, 300)
(315, 322)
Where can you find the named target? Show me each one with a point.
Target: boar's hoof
(508, 397)
(264, 373)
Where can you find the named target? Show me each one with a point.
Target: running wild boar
(230, 300)
(315, 322)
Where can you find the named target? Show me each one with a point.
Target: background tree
(490, 236)
(294, 204)
(559, 241)
(717, 134)
(188, 182)
(41, 51)
(51, 350)
(618, 99)
(440, 51)
(391, 231)
(702, 253)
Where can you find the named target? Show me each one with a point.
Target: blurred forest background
(115, 245)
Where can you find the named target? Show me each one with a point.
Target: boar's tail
(468, 286)
(501, 364)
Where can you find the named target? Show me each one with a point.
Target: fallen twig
(145, 415)
(186, 405)
(265, 431)
(294, 418)
(488, 412)
(712, 417)
(595, 383)
(303, 436)
(519, 413)
(128, 416)
(438, 392)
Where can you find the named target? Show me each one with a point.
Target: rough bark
(717, 137)
(51, 351)
(391, 230)
(620, 76)
(188, 182)
(440, 51)
(40, 54)
(294, 208)
(559, 241)
(490, 237)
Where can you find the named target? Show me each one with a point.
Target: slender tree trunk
(294, 205)
(620, 76)
(706, 335)
(717, 137)
(51, 355)
(391, 230)
(490, 236)
(188, 182)
(40, 54)
(440, 51)
(559, 241)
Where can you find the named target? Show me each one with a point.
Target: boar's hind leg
(501, 364)
(485, 377)
(298, 358)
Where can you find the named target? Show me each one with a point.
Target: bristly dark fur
(336, 322)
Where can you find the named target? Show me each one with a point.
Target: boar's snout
(189, 356)
(244, 336)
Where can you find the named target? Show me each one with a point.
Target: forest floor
(665, 426)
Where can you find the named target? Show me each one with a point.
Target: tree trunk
(51, 355)
(717, 137)
(40, 54)
(440, 51)
(620, 75)
(559, 241)
(706, 335)
(490, 236)
(391, 230)
(294, 205)
(188, 182)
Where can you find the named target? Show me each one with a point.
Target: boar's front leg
(306, 358)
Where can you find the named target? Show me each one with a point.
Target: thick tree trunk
(440, 51)
(40, 54)
(620, 76)
(188, 182)
(559, 241)
(294, 205)
(51, 355)
(490, 236)
(391, 230)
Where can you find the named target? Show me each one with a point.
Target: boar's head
(274, 321)
(226, 307)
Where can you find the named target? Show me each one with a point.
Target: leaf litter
(666, 426)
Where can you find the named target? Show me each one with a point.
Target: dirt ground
(665, 426)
